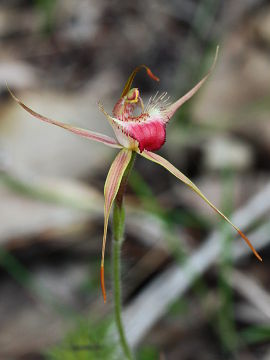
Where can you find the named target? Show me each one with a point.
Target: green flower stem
(118, 238)
(117, 300)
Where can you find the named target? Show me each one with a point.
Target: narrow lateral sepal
(92, 135)
(173, 170)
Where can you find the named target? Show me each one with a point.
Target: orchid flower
(143, 134)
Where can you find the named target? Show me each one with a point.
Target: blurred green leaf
(179, 307)
(148, 353)
(47, 9)
(89, 341)
(256, 334)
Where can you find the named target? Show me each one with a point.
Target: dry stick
(251, 290)
(153, 302)
(248, 314)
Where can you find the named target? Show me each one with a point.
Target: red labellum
(150, 136)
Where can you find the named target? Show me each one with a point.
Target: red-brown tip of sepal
(103, 283)
(249, 244)
(132, 76)
(149, 73)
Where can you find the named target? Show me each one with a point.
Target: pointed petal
(167, 165)
(173, 107)
(111, 188)
(132, 76)
(76, 130)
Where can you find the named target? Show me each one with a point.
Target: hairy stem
(118, 237)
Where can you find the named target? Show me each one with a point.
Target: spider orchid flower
(142, 132)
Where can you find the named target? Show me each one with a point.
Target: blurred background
(191, 288)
